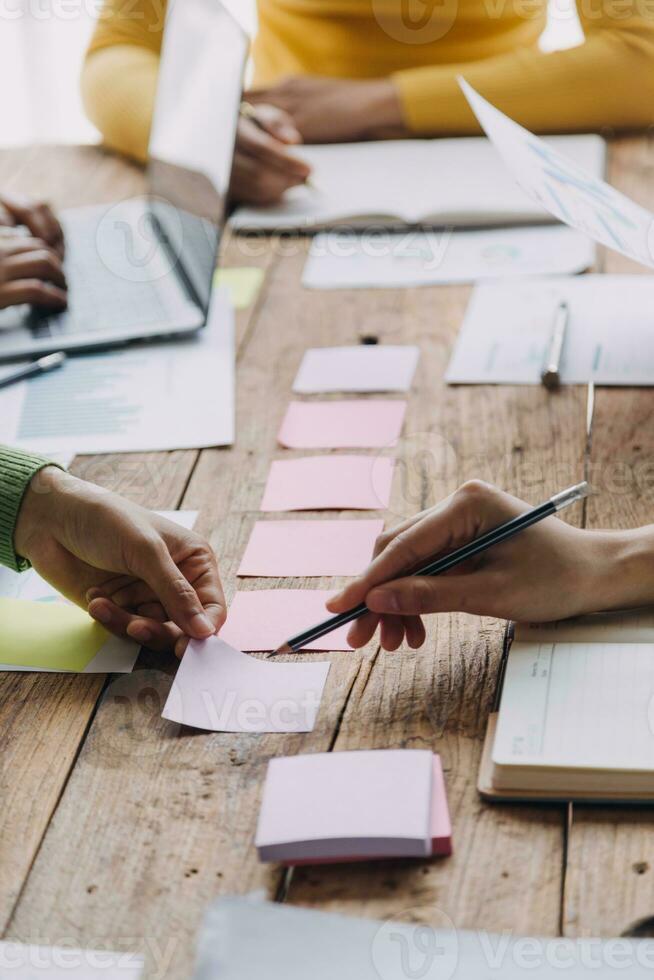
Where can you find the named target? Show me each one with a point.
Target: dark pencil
(442, 564)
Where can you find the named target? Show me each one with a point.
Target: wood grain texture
(507, 867)
(44, 717)
(609, 887)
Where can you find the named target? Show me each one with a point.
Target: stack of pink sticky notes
(354, 806)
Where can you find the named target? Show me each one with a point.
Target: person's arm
(119, 84)
(16, 471)
(550, 571)
(608, 81)
(138, 574)
(119, 77)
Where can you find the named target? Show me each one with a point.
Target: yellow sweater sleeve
(119, 77)
(608, 81)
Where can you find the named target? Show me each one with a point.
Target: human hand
(334, 110)
(37, 216)
(263, 169)
(138, 574)
(549, 571)
(30, 272)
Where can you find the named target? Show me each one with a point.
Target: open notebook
(460, 182)
(576, 718)
(354, 806)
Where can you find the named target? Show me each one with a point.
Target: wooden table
(117, 829)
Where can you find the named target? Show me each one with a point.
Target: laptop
(143, 268)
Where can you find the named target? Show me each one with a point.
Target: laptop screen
(193, 131)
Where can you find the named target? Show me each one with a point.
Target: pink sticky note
(264, 619)
(221, 689)
(329, 483)
(342, 425)
(347, 806)
(287, 548)
(441, 825)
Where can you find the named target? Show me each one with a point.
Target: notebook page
(459, 180)
(578, 705)
(626, 626)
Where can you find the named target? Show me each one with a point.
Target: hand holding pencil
(549, 571)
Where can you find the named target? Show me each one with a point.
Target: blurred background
(42, 43)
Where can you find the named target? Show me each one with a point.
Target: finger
(362, 631)
(392, 632)
(41, 221)
(40, 264)
(415, 631)
(210, 591)
(131, 594)
(152, 610)
(256, 185)
(160, 637)
(15, 244)
(401, 552)
(34, 292)
(175, 592)
(414, 595)
(278, 123)
(267, 150)
(180, 646)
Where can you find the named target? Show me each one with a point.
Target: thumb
(177, 595)
(415, 595)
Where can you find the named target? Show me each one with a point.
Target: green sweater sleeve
(16, 470)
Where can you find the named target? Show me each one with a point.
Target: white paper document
(170, 395)
(458, 182)
(392, 260)
(507, 328)
(221, 689)
(570, 191)
(247, 939)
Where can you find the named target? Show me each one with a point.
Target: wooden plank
(507, 868)
(610, 879)
(43, 717)
(175, 811)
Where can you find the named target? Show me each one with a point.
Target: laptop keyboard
(105, 293)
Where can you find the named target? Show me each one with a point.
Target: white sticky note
(221, 689)
(366, 367)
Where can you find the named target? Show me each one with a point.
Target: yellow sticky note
(50, 635)
(243, 285)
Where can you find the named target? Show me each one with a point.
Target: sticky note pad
(221, 689)
(366, 367)
(329, 483)
(242, 284)
(342, 424)
(48, 635)
(352, 806)
(265, 618)
(309, 548)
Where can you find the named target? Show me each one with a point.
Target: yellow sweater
(608, 81)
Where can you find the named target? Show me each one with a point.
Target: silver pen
(551, 373)
(43, 365)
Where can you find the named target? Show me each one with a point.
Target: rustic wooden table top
(117, 828)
